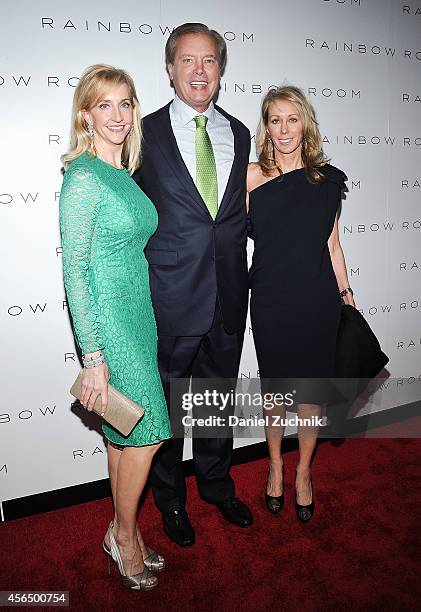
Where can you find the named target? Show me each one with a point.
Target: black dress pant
(215, 355)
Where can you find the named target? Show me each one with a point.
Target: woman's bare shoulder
(254, 168)
(254, 176)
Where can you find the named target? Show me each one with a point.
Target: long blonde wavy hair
(95, 82)
(312, 154)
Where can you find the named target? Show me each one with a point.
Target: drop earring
(270, 141)
(90, 129)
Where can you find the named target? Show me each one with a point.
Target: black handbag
(359, 357)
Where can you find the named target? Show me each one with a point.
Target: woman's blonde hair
(95, 82)
(312, 154)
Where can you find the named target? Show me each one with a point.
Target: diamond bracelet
(93, 362)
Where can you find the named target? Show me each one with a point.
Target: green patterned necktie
(206, 178)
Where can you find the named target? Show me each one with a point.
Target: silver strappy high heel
(138, 582)
(154, 561)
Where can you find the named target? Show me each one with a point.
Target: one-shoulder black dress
(295, 302)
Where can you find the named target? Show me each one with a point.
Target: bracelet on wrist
(88, 359)
(93, 362)
(345, 291)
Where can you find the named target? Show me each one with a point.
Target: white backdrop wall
(360, 63)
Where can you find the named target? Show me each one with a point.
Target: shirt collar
(184, 114)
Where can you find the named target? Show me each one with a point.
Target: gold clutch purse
(121, 412)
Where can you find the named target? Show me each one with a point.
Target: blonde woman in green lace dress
(105, 222)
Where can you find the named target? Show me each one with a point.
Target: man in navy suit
(193, 168)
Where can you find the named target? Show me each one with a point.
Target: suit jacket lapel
(231, 184)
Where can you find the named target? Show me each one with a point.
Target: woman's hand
(349, 299)
(94, 383)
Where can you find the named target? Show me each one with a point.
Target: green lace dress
(105, 222)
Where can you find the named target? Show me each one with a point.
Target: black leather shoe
(178, 527)
(274, 503)
(304, 513)
(236, 512)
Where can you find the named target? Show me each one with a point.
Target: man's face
(195, 71)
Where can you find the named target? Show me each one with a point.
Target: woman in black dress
(298, 274)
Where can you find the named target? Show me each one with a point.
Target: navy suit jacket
(193, 259)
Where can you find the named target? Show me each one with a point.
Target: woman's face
(112, 117)
(285, 126)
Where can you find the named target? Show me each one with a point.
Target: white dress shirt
(220, 134)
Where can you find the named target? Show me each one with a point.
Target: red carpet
(361, 550)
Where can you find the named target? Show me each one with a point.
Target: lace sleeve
(79, 198)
